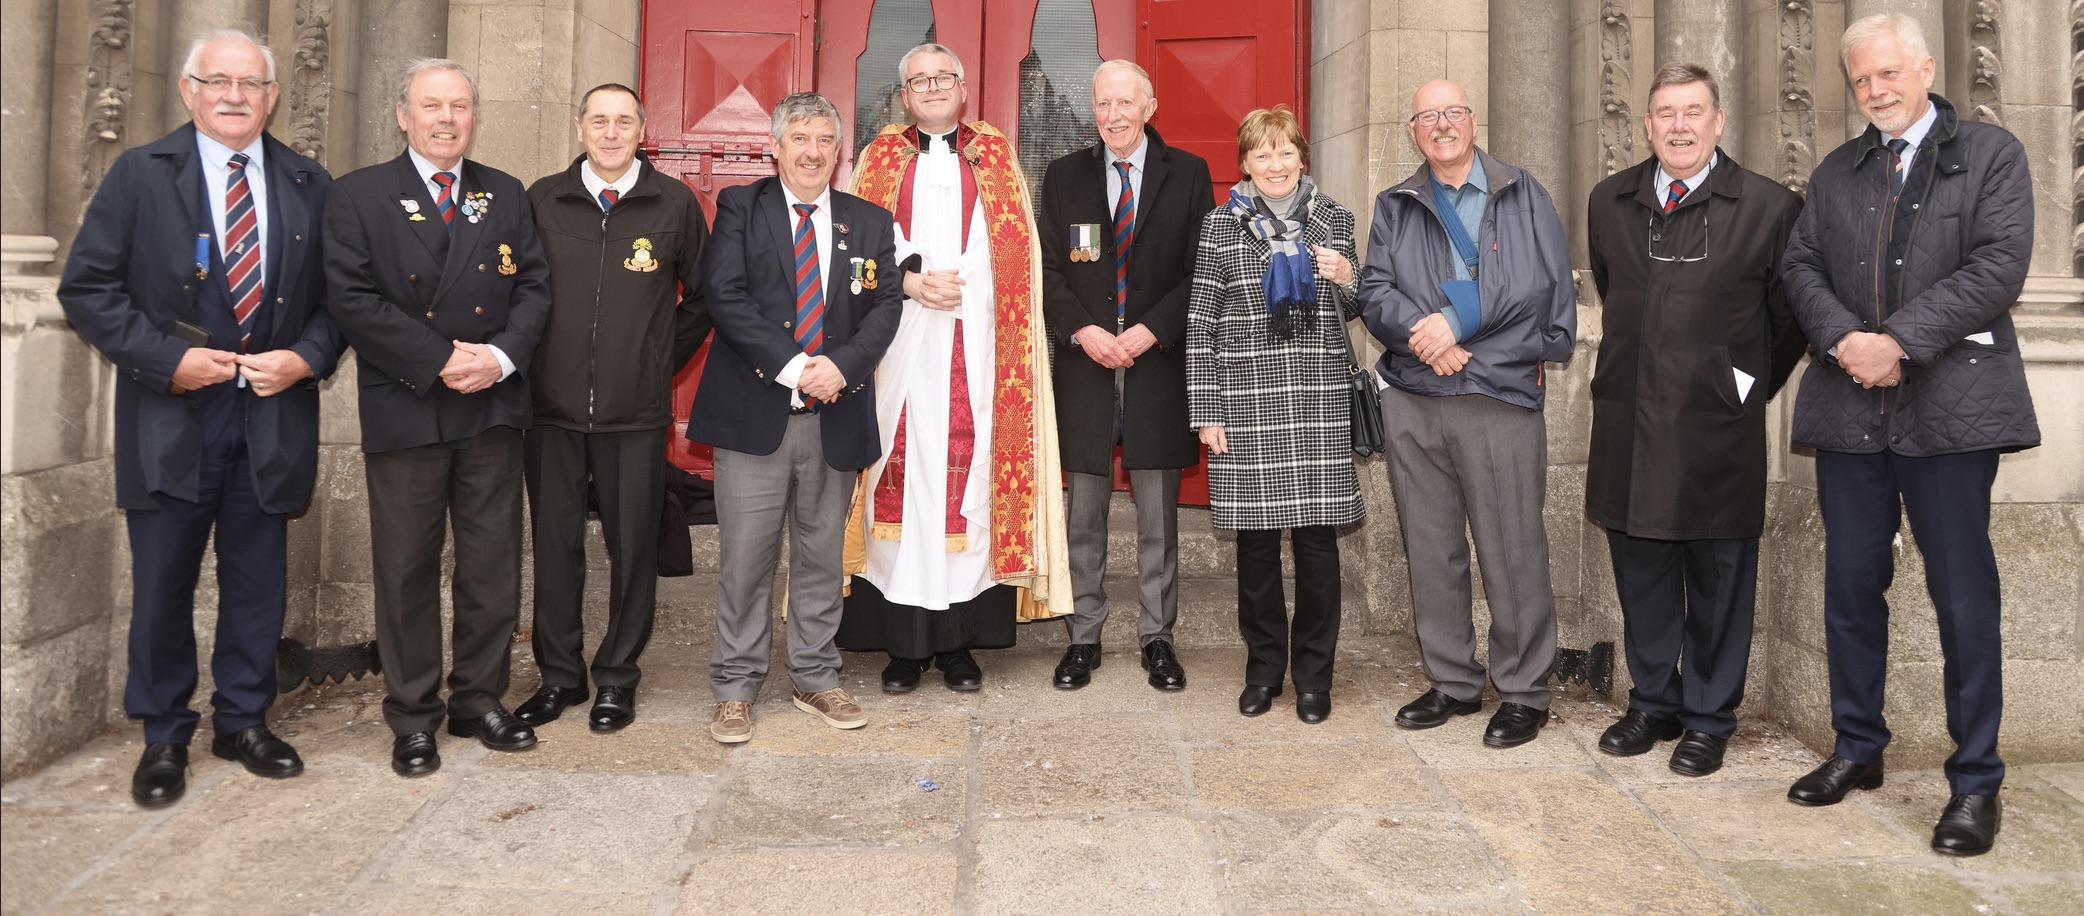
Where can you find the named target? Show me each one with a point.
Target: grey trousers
(1475, 460)
(1157, 552)
(754, 495)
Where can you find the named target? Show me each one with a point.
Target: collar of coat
(1500, 175)
(179, 146)
(571, 184)
(1156, 150)
(1726, 179)
(1953, 157)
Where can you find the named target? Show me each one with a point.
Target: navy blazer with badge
(132, 274)
(1176, 193)
(749, 279)
(403, 289)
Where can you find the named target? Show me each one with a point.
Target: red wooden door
(712, 74)
(1215, 60)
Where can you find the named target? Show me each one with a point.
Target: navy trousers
(166, 554)
(1947, 497)
(1686, 609)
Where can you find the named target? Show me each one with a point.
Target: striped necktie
(1897, 146)
(1124, 239)
(608, 198)
(810, 289)
(1672, 196)
(444, 203)
(242, 230)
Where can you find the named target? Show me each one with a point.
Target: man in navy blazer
(800, 286)
(196, 272)
(439, 282)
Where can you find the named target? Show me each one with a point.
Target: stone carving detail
(2077, 135)
(108, 91)
(1984, 95)
(1616, 74)
(311, 78)
(1796, 117)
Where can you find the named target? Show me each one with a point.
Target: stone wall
(1559, 88)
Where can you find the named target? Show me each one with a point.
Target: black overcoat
(1176, 193)
(1676, 453)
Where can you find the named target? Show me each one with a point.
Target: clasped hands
(269, 373)
(471, 367)
(1433, 343)
(821, 378)
(1873, 360)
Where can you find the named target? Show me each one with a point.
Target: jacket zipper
(593, 355)
(1890, 196)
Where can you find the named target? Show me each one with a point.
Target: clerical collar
(926, 141)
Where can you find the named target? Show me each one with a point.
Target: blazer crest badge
(507, 267)
(640, 259)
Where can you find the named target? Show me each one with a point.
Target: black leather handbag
(1364, 400)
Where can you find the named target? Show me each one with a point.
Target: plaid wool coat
(1283, 404)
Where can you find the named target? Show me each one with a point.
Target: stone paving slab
(1114, 799)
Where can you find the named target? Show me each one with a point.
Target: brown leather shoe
(834, 706)
(731, 722)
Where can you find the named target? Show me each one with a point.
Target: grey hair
(1143, 78)
(803, 106)
(195, 50)
(1866, 31)
(932, 47)
(421, 65)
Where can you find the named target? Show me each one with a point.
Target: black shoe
(162, 775)
(1514, 724)
(260, 752)
(1968, 826)
(1829, 783)
(1166, 674)
(1076, 670)
(1637, 733)
(548, 703)
(1434, 708)
(1256, 700)
(497, 729)
(415, 754)
(1698, 754)
(1312, 707)
(959, 670)
(613, 708)
(902, 674)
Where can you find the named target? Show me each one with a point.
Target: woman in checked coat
(1267, 389)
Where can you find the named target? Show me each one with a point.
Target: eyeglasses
(1657, 234)
(1458, 114)
(221, 84)
(930, 83)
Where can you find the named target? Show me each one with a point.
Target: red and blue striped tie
(443, 203)
(1676, 193)
(810, 290)
(242, 230)
(1124, 238)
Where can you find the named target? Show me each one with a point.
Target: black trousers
(627, 473)
(1687, 609)
(415, 496)
(1864, 499)
(1303, 649)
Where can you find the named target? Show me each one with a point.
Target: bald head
(1443, 127)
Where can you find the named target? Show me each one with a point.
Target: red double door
(714, 70)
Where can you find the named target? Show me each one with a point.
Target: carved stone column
(1709, 33)
(1529, 119)
(398, 31)
(30, 30)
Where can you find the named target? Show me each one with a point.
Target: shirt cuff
(506, 366)
(791, 371)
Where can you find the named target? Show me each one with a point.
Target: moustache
(233, 109)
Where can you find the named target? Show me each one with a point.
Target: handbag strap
(1339, 305)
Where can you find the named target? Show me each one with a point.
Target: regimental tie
(810, 290)
(1897, 146)
(608, 198)
(242, 230)
(445, 202)
(1672, 196)
(1124, 238)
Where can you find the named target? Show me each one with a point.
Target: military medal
(506, 260)
(202, 256)
(640, 260)
(864, 276)
(1085, 242)
(477, 205)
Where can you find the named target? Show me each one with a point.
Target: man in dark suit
(1116, 255)
(196, 271)
(800, 284)
(439, 282)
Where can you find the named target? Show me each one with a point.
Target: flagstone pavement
(1115, 799)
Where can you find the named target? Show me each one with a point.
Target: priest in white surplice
(952, 540)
